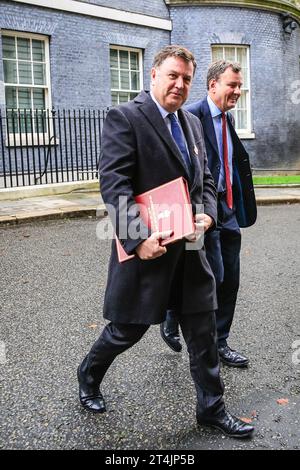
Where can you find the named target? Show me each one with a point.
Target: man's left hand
(202, 223)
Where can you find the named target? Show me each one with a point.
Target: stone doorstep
(8, 220)
(264, 201)
(51, 189)
(52, 214)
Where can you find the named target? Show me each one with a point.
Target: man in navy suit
(228, 162)
(146, 143)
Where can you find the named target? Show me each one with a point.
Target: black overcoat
(138, 153)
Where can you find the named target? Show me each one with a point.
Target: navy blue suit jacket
(243, 191)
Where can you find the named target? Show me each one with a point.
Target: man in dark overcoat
(146, 143)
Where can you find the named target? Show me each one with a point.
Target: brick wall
(79, 50)
(274, 60)
(79, 59)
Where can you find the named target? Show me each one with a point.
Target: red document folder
(167, 207)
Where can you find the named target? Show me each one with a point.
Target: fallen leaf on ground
(93, 325)
(282, 401)
(245, 420)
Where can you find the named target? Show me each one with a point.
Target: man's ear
(153, 75)
(212, 85)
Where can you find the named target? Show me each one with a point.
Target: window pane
(10, 97)
(135, 81)
(242, 56)
(134, 64)
(114, 77)
(12, 123)
(25, 75)
(10, 71)
(217, 53)
(38, 50)
(39, 74)
(124, 64)
(114, 98)
(114, 58)
(18, 55)
(8, 47)
(123, 97)
(24, 98)
(133, 95)
(39, 98)
(242, 120)
(125, 75)
(23, 48)
(245, 77)
(242, 102)
(230, 53)
(124, 80)
(40, 121)
(22, 122)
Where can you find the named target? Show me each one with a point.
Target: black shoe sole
(103, 410)
(236, 436)
(171, 347)
(230, 364)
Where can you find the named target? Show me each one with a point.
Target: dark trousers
(223, 247)
(199, 331)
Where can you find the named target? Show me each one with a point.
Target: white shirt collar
(214, 110)
(162, 110)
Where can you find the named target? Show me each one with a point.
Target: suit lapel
(208, 126)
(234, 137)
(152, 114)
(189, 136)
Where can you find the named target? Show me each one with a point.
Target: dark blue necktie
(179, 139)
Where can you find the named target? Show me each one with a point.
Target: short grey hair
(220, 66)
(174, 50)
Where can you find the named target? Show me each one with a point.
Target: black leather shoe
(170, 337)
(232, 358)
(228, 424)
(91, 399)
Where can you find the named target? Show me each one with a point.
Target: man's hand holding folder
(167, 210)
(202, 223)
(151, 248)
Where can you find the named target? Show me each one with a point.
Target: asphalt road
(52, 279)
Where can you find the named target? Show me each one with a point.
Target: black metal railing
(49, 146)
(54, 146)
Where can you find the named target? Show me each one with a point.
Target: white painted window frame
(242, 133)
(140, 64)
(47, 87)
